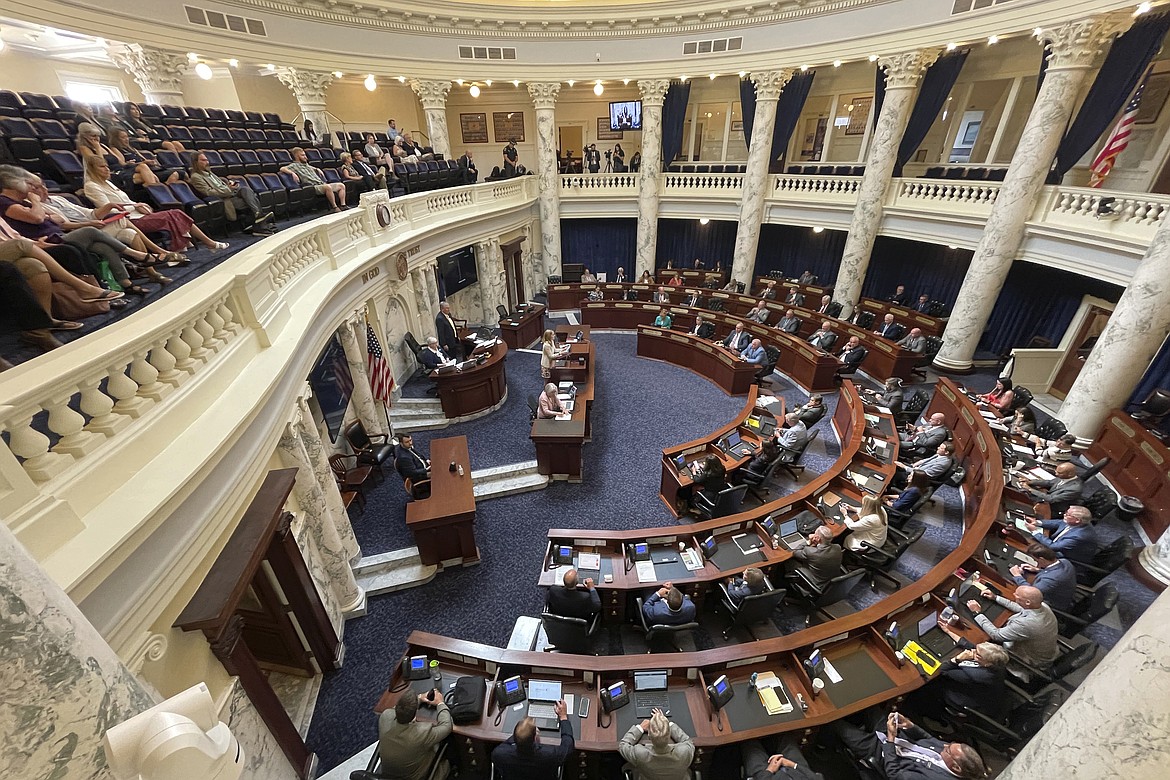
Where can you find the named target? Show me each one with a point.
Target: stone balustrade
(1128, 216)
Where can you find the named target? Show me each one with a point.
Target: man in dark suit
(523, 757)
(446, 331)
(467, 167)
(891, 397)
(432, 355)
(785, 762)
(1060, 494)
(694, 300)
(789, 323)
(795, 298)
(852, 353)
(738, 339)
(668, 606)
(703, 329)
(826, 302)
(820, 559)
(593, 159)
(888, 328)
(825, 338)
(571, 600)
(923, 303)
(1071, 536)
(907, 752)
(769, 293)
(620, 276)
(1055, 577)
(813, 411)
(900, 295)
(408, 462)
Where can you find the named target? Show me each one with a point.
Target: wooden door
(269, 631)
(514, 274)
(1090, 328)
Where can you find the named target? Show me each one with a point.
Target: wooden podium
(444, 524)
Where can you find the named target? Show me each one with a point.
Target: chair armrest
(979, 720)
(437, 761)
(1065, 617)
(641, 614)
(594, 624)
(807, 587)
(886, 557)
(1039, 674)
(727, 602)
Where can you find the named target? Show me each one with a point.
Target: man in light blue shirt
(754, 353)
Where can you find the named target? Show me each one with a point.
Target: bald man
(914, 341)
(1029, 633)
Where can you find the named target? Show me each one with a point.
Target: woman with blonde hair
(549, 353)
(870, 526)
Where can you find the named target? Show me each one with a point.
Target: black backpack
(466, 699)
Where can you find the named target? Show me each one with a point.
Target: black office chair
(1085, 612)
(569, 634)
(1108, 559)
(850, 368)
(751, 610)
(1051, 428)
(813, 415)
(878, 561)
(659, 636)
(373, 769)
(1023, 722)
(502, 310)
(933, 345)
(1071, 660)
(715, 304)
(726, 502)
(371, 450)
(817, 599)
(1100, 502)
(755, 481)
(864, 319)
(794, 467)
(501, 773)
(912, 408)
(533, 406)
(1021, 397)
(772, 356)
(412, 343)
(1095, 469)
(898, 519)
(834, 309)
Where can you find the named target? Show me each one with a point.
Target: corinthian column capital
(433, 94)
(154, 70)
(307, 86)
(544, 93)
(770, 83)
(903, 70)
(653, 91)
(1077, 44)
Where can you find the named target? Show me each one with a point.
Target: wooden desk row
(443, 524)
(474, 389)
(905, 315)
(560, 443)
(524, 327)
(1139, 466)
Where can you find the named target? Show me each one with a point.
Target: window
(94, 94)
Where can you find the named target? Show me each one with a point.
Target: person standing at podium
(550, 353)
(446, 331)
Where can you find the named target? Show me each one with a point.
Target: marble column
(1114, 725)
(1134, 334)
(422, 301)
(309, 88)
(769, 84)
(1074, 46)
(532, 264)
(332, 555)
(63, 686)
(902, 74)
(489, 266)
(653, 94)
(369, 411)
(433, 95)
(544, 98)
(334, 507)
(158, 72)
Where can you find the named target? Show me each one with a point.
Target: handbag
(466, 699)
(67, 303)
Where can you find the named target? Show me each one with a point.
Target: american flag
(381, 379)
(1118, 139)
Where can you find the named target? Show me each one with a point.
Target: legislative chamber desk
(523, 327)
(560, 443)
(852, 643)
(476, 388)
(712, 361)
(1139, 467)
(444, 523)
(904, 315)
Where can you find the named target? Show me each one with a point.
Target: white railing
(1134, 215)
(700, 183)
(925, 193)
(598, 183)
(820, 188)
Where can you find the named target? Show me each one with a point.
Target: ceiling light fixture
(192, 57)
(459, 82)
(803, 68)
(370, 83)
(704, 221)
(742, 73)
(836, 63)
(402, 79)
(1142, 8)
(952, 46)
(572, 82)
(598, 89)
(626, 82)
(337, 74)
(818, 229)
(1037, 32)
(684, 78)
(873, 58)
(515, 82)
(474, 90)
(711, 76)
(488, 82)
(992, 40)
(234, 63)
(270, 66)
(203, 71)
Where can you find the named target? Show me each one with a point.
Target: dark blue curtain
(440, 284)
(674, 117)
(1156, 376)
(879, 95)
(1128, 58)
(932, 95)
(787, 115)
(747, 108)
(794, 249)
(1037, 300)
(682, 240)
(1044, 53)
(925, 269)
(600, 244)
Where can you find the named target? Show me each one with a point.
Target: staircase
(500, 481)
(408, 415)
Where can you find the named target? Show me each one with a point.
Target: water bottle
(460, 469)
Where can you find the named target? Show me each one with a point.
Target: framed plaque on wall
(474, 128)
(508, 124)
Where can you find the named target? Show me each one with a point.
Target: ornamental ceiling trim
(572, 23)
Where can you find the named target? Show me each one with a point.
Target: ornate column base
(954, 366)
(1154, 560)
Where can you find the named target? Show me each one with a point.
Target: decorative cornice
(903, 70)
(151, 647)
(770, 83)
(432, 94)
(544, 93)
(307, 86)
(1077, 44)
(582, 22)
(154, 70)
(653, 91)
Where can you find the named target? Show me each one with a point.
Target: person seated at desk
(911, 494)
(1070, 537)
(663, 295)
(754, 353)
(645, 278)
(1054, 450)
(812, 411)
(406, 745)
(906, 751)
(663, 320)
(825, 338)
(759, 313)
(808, 277)
(752, 583)
(852, 353)
(573, 599)
(549, 405)
(789, 323)
(596, 294)
(786, 761)
(588, 277)
(923, 304)
(1030, 633)
(890, 398)
(888, 329)
(900, 295)
(738, 339)
(550, 353)
(703, 329)
(408, 462)
(792, 438)
(694, 300)
(935, 466)
(432, 355)
(975, 678)
(667, 757)
(826, 303)
(522, 756)
(1058, 493)
(795, 298)
(870, 524)
(1000, 398)
(668, 606)
(820, 559)
(913, 341)
(675, 281)
(709, 474)
(769, 292)
(1055, 577)
(917, 441)
(1024, 423)
(769, 450)
(619, 276)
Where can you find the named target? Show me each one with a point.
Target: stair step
(387, 560)
(412, 424)
(498, 488)
(400, 578)
(492, 472)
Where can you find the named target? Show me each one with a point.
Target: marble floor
(298, 695)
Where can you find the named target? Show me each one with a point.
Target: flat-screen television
(625, 115)
(458, 270)
(332, 385)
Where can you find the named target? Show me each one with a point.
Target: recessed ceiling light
(818, 229)
(572, 82)
(873, 58)
(203, 71)
(515, 82)
(803, 68)
(952, 246)
(836, 63)
(1037, 32)
(952, 46)
(626, 82)
(704, 221)
(711, 76)
(488, 82)
(742, 73)
(683, 77)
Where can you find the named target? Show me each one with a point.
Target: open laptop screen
(650, 681)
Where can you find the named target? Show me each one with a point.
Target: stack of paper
(590, 561)
(645, 571)
(692, 561)
(772, 694)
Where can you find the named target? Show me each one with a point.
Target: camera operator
(619, 159)
(593, 159)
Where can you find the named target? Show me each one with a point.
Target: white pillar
(369, 411)
(309, 88)
(63, 685)
(544, 98)
(653, 94)
(158, 72)
(755, 179)
(433, 95)
(902, 74)
(489, 267)
(1074, 46)
(306, 429)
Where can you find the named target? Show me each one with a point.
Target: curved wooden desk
(712, 361)
(474, 389)
(560, 443)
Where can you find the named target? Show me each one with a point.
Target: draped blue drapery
(600, 244)
(1156, 376)
(682, 240)
(674, 117)
(925, 269)
(788, 110)
(932, 95)
(879, 95)
(794, 249)
(1044, 53)
(1128, 58)
(747, 109)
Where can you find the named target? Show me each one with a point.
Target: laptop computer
(543, 696)
(934, 638)
(734, 445)
(650, 692)
(791, 536)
